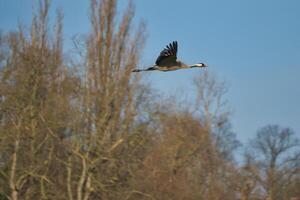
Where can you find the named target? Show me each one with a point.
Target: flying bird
(167, 61)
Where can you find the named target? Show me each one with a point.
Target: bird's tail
(137, 70)
(148, 69)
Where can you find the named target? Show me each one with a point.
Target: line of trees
(81, 126)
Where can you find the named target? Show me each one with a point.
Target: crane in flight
(167, 61)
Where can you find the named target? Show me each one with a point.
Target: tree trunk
(12, 184)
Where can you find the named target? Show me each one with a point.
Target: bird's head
(201, 65)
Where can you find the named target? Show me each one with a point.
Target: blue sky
(253, 44)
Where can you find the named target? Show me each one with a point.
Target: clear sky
(253, 44)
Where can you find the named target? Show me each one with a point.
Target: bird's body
(167, 61)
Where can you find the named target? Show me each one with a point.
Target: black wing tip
(169, 50)
(174, 44)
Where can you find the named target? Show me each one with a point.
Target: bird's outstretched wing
(168, 55)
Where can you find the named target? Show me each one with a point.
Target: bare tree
(64, 135)
(273, 160)
(109, 105)
(213, 109)
(36, 89)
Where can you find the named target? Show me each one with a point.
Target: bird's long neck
(192, 66)
(183, 65)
